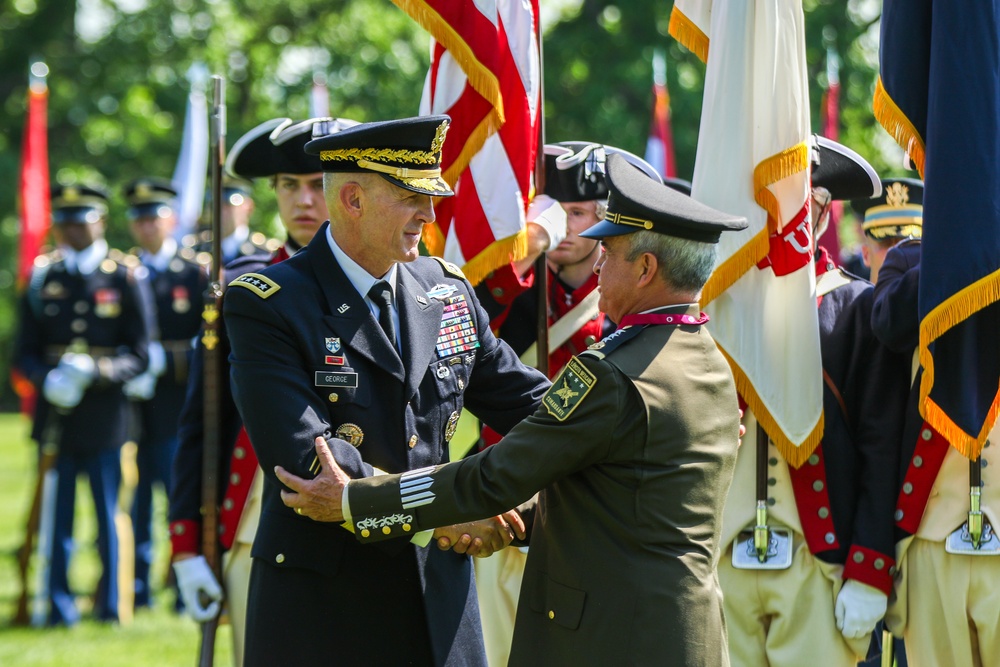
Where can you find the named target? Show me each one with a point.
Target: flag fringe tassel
(794, 454)
(950, 313)
(477, 138)
(498, 253)
(895, 122)
(731, 270)
(778, 167)
(685, 31)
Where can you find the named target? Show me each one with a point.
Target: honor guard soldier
(576, 198)
(237, 239)
(894, 217)
(272, 150)
(177, 284)
(632, 451)
(947, 508)
(82, 335)
(360, 340)
(808, 570)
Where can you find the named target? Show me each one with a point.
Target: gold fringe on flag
(433, 240)
(472, 145)
(735, 266)
(794, 455)
(773, 169)
(949, 313)
(498, 253)
(685, 31)
(895, 122)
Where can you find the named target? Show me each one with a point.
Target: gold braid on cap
(399, 172)
(619, 219)
(380, 155)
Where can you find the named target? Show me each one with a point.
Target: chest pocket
(451, 375)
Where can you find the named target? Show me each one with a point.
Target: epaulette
(450, 268)
(612, 342)
(257, 283)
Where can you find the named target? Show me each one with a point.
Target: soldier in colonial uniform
(82, 335)
(809, 563)
(273, 150)
(947, 508)
(177, 284)
(360, 340)
(632, 451)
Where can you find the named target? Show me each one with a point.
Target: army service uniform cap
(897, 214)
(844, 173)
(277, 146)
(405, 152)
(83, 204)
(637, 202)
(575, 170)
(150, 197)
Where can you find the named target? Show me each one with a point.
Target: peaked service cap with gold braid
(78, 203)
(150, 197)
(637, 202)
(405, 152)
(575, 170)
(277, 146)
(897, 214)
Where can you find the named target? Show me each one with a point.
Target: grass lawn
(156, 636)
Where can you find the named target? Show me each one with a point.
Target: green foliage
(118, 87)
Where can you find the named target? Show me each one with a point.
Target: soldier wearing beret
(362, 342)
(575, 199)
(272, 150)
(177, 284)
(824, 581)
(632, 451)
(82, 335)
(945, 604)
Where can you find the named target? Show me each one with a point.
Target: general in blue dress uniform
(177, 284)
(82, 335)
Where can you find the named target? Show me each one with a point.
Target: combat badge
(260, 285)
(441, 291)
(352, 433)
(568, 390)
(451, 427)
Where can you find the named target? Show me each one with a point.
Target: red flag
(34, 186)
(660, 145)
(830, 122)
(486, 74)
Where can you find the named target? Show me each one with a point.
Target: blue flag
(939, 96)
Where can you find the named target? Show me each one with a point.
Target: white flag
(192, 163)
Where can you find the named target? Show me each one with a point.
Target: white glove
(859, 607)
(141, 388)
(79, 369)
(196, 583)
(548, 214)
(60, 390)
(157, 359)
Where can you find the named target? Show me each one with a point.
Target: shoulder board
(257, 283)
(450, 268)
(569, 389)
(612, 341)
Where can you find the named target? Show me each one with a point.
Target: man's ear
(351, 198)
(866, 255)
(649, 267)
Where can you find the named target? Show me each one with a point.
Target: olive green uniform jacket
(633, 450)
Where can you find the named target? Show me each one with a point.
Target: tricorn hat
(575, 170)
(78, 203)
(277, 146)
(844, 173)
(637, 202)
(405, 152)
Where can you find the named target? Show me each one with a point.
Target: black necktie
(381, 296)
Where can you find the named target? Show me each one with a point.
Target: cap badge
(143, 190)
(439, 135)
(897, 195)
(70, 194)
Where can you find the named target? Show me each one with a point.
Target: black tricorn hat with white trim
(844, 173)
(576, 170)
(405, 152)
(637, 202)
(277, 146)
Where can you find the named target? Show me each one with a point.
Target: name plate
(336, 379)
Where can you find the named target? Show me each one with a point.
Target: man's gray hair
(685, 265)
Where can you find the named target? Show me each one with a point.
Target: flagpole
(541, 265)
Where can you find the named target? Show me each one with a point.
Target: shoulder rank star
(259, 284)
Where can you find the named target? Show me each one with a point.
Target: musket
(210, 339)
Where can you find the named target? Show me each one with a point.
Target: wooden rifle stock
(210, 340)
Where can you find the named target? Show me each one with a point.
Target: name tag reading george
(328, 379)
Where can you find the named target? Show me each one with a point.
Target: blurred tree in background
(118, 91)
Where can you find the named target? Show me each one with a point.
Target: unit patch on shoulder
(260, 285)
(568, 390)
(451, 268)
